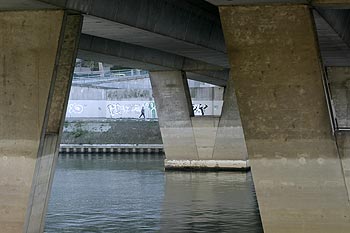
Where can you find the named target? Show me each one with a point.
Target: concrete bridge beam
(38, 50)
(135, 56)
(276, 69)
(186, 28)
(190, 142)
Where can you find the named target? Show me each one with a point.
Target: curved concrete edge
(211, 165)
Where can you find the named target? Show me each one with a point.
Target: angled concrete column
(230, 142)
(277, 74)
(206, 142)
(174, 109)
(37, 52)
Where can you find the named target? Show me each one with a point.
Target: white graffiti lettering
(75, 108)
(118, 110)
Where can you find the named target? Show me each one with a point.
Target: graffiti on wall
(199, 109)
(74, 108)
(117, 110)
(130, 109)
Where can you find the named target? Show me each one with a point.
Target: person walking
(142, 113)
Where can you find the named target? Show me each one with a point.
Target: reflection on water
(209, 202)
(131, 193)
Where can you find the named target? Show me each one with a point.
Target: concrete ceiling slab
(189, 28)
(141, 54)
(129, 55)
(120, 32)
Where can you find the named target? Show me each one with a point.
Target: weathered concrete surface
(31, 68)
(230, 142)
(206, 141)
(54, 118)
(28, 51)
(339, 81)
(204, 130)
(278, 80)
(207, 165)
(173, 109)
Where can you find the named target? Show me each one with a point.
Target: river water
(132, 193)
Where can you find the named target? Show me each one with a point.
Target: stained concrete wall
(278, 81)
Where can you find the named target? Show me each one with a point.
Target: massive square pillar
(205, 143)
(276, 71)
(37, 54)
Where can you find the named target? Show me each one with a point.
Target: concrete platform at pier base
(207, 165)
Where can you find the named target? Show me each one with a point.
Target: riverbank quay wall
(111, 136)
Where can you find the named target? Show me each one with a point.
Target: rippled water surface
(132, 193)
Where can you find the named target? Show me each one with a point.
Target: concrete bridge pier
(204, 143)
(37, 54)
(276, 69)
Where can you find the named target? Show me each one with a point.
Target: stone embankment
(111, 136)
